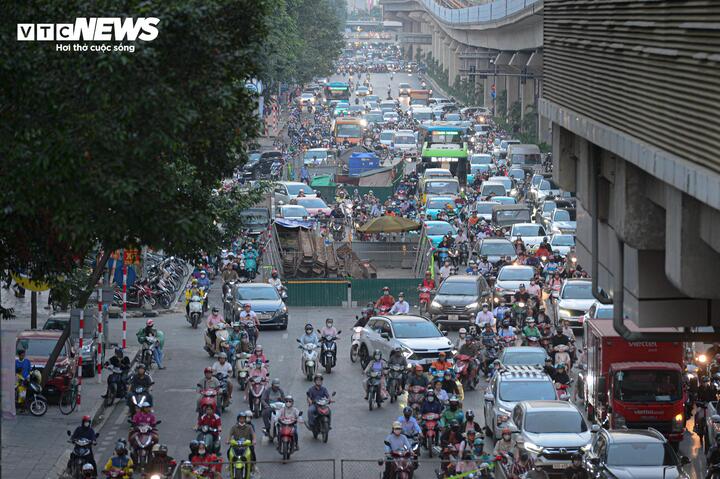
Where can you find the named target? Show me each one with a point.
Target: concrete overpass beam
(690, 263)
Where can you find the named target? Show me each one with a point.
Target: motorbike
(355, 344)
(463, 367)
(321, 427)
(138, 397)
(563, 391)
(430, 428)
(239, 457)
(224, 397)
(562, 355)
(425, 296)
(257, 388)
(286, 437)
(114, 473)
(519, 314)
(195, 311)
(242, 369)
(211, 437)
(328, 352)
(148, 346)
(373, 388)
(416, 396)
(507, 341)
(141, 444)
(394, 381)
(209, 398)
(338, 231)
(401, 464)
(81, 455)
(308, 363)
(221, 334)
(30, 395)
(116, 384)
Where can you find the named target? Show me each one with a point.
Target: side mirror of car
(339, 331)
(594, 428)
(385, 336)
(489, 397)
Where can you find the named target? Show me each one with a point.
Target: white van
(525, 156)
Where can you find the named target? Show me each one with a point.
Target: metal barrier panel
(295, 469)
(365, 290)
(388, 254)
(321, 292)
(369, 468)
(381, 192)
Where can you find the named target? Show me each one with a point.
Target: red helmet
(86, 418)
(208, 370)
(149, 322)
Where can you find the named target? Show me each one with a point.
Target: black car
(264, 167)
(458, 299)
(263, 299)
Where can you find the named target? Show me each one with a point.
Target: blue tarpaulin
(361, 162)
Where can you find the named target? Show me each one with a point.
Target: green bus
(444, 147)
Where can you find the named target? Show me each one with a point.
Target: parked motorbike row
(164, 278)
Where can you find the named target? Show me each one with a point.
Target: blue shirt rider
(310, 336)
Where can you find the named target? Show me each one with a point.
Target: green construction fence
(334, 292)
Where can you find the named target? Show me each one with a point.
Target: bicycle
(68, 399)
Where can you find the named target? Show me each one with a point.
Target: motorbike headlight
(472, 305)
(534, 448)
(436, 305)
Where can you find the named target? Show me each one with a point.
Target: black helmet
(407, 411)
(318, 376)
(470, 414)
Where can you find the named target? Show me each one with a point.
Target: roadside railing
(295, 469)
(477, 14)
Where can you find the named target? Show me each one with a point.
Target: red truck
(633, 384)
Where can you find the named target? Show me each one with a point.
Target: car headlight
(534, 448)
(407, 352)
(283, 309)
(472, 305)
(436, 305)
(564, 312)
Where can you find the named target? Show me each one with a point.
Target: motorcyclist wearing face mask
(329, 329)
(377, 363)
(84, 431)
(410, 426)
(452, 412)
(275, 281)
(310, 337)
(386, 300)
(505, 444)
(485, 316)
(431, 404)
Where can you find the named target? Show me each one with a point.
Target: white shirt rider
(401, 306)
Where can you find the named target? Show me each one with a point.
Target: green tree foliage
(306, 38)
(114, 149)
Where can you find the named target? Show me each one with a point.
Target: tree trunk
(33, 310)
(84, 297)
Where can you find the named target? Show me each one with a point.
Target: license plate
(264, 316)
(453, 317)
(560, 466)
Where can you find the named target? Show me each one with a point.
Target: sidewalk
(37, 447)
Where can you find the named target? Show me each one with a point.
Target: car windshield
(38, 347)
(387, 136)
(527, 230)
(443, 228)
(515, 391)
(497, 248)
(422, 115)
(439, 187)
(516, 274)
(316, 155)
(405, 140)
(459, 288)
(312, 202)
(643, 454)
(507, 182)
(645, 386)
(295, 189)
(579, 290)
(481, 160)
(564, 215)
(485, 208)
(475, 169)
(253, 158)
(255, 294)
(415, 329)
(563, 240)
(523, 358)
(373, 117)
(438, 203)
(604, 313)
(294, 210)
(570, 421)
(548, 206)
(495, 189)
(548, 185)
